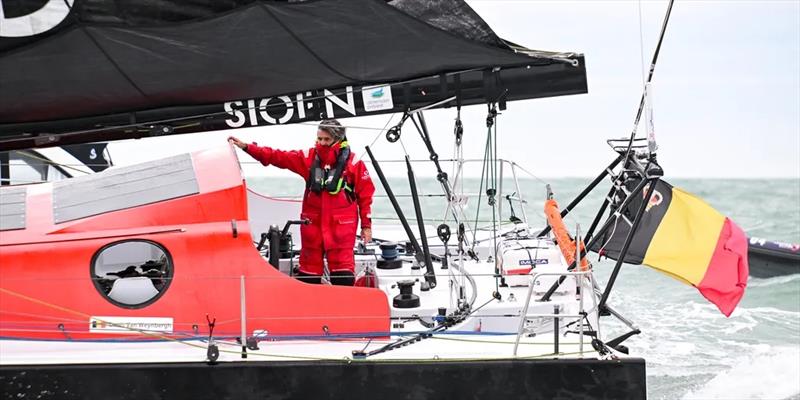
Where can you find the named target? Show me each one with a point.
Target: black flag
(93, 155)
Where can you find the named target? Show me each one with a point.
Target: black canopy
(114, 69)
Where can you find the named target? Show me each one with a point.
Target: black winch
(406, 299)
(388, 259)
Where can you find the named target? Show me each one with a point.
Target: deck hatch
(12, 208)
(124, 188)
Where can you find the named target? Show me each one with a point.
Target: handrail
(524, 315)
(519, 199)
(513, 165)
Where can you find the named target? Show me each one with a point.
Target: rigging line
(458, 175)
(521, 168)
(494, 211)
(641, 45)
(611, 236)
(50, 162)
(366, 128)
(441, 176)
(649, 79)
(375, 139)
(405, 152)
(628, 152)
(480, 192)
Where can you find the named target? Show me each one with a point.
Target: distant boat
(768, 258)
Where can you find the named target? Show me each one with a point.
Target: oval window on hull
(133, 273)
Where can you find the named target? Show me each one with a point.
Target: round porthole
(132, 273)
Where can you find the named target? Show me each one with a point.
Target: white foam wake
(769, 373)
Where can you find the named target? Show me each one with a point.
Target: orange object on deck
(565, 242)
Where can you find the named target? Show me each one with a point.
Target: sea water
(692, 350)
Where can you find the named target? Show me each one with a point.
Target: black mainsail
(110, 70)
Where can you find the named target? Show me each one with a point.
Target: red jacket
(355, 175)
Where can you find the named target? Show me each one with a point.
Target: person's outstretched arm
(294, 160)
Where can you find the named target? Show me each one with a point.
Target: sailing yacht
(172, 278)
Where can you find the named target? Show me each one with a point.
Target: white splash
(769, 373)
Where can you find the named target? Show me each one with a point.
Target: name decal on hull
(130, 325)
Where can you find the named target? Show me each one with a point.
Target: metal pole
(594, 306)
(580, 289)
(430, 275)
(417, 249)
(243, 316)
(524, 315)
(628, 240)
(556, 328)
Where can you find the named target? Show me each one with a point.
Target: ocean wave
(768, 373)
(776, 280)
(760, 311)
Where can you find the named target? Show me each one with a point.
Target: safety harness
(331, 181)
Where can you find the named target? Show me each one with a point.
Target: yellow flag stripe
(686, 238)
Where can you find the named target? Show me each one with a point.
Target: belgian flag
(682, 236)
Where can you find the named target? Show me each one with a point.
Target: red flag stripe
(726, 275)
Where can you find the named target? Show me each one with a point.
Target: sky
(726, 94)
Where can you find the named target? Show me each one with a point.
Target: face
(324, 138)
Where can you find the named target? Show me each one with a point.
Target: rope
(641, 45)
(480, 190)
(377, 136)
(521, 168)
(46, 161)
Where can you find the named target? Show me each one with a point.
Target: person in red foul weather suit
(338, 193)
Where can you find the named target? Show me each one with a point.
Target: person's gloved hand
(236, 142)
